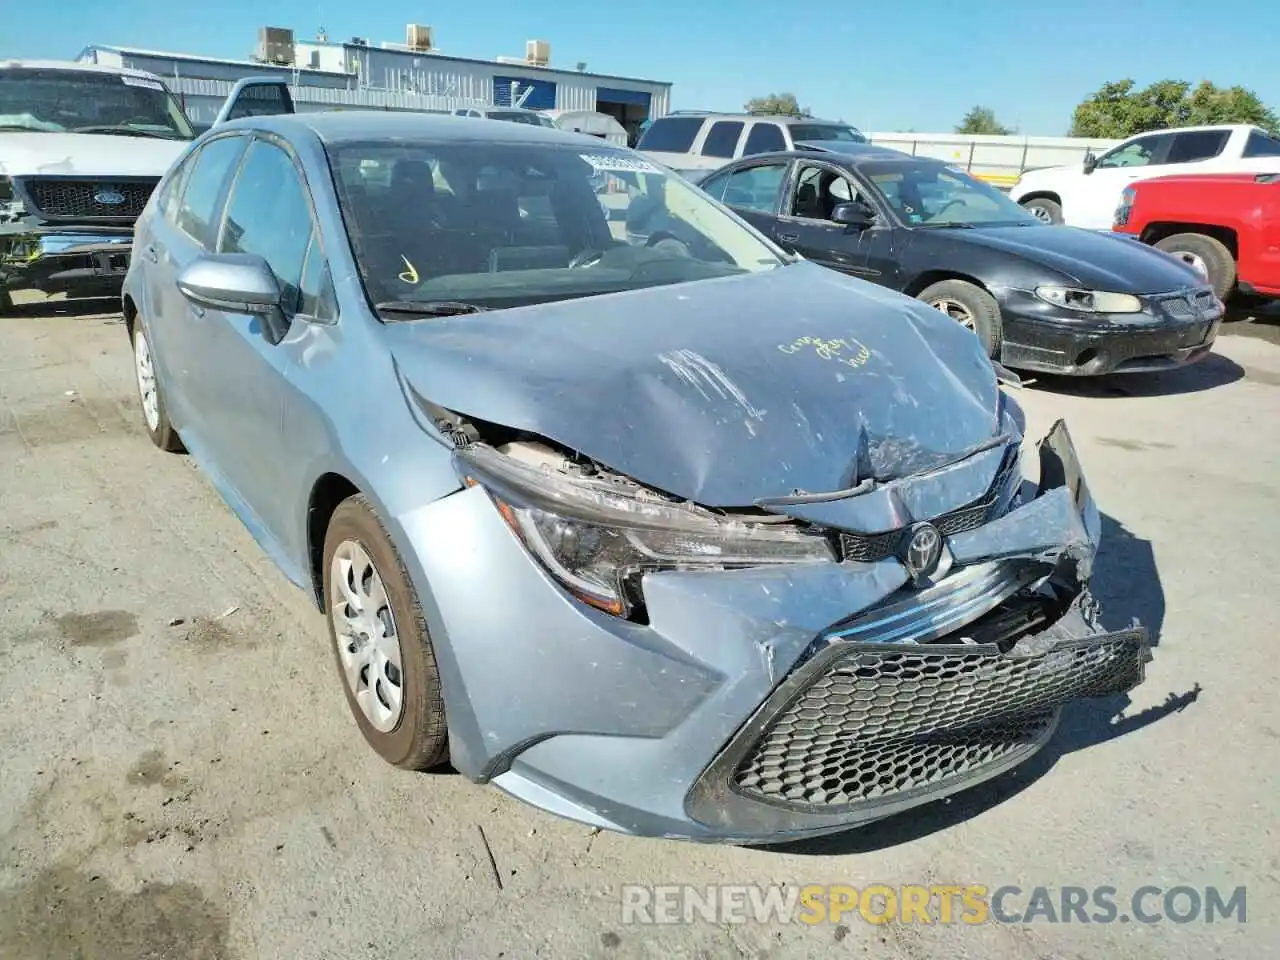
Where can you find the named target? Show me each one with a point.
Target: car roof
(851, 155)
(773, 117)
(339, 126)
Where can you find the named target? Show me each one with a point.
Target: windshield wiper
(124, 130)
(429, 308)
(952, 225)
(23, 126)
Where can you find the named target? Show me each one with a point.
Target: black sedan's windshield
(505, 224)
(931, 195)
(84, 101)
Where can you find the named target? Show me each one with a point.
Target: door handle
(788, 237)
(197, 309)
(151, 253)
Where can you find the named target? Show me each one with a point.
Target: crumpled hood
(28, 153)
(721, 391)
(1090, 258)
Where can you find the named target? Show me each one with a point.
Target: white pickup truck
(1087, 195)
(81, 148)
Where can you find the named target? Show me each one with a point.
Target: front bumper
(78, 261)
(1042, 337)
(656, 729)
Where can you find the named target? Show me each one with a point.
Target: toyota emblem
(921, 550)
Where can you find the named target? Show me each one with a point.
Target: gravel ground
(179, 776)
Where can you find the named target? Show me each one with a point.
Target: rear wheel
(154, 415)
(970, 306)
(1207, 255)
(1044, 209)
(380, 641)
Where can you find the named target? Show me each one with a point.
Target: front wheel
(380, 641)
(1207, 256)
(970, 306)
(1044, 209)
(154, 415)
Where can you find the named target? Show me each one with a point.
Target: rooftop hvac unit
(359, 42)
(417, 37)
(275, 45)
(537, 52)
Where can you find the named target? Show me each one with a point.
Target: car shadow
(88, 306)
(1127, 585)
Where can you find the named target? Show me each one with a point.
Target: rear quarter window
(1261, 145)
(671, 134)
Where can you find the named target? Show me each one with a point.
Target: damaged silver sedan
(675, 536)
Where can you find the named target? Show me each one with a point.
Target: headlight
(596, 537)
(1088, 301)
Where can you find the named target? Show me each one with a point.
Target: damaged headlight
(1088, 301)
(596, 536)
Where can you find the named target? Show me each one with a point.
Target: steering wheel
(586, 258)
(668, 242)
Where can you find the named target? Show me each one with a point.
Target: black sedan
(1040, 297)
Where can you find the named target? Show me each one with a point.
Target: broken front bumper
(768, 704)
(77, 261)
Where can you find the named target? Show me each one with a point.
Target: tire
(155, 419)
(417, 736)
(1217, 259)
(982, 309)
(1050, 211)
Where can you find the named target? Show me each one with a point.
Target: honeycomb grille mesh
(884, 720)
(76, 198)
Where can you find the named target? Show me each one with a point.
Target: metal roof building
(357, 74)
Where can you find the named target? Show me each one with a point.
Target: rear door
(755, 193)
(185, 228)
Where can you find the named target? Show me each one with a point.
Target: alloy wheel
(368, 642)
(1040, 213)
(1194, 261)
(956, 310)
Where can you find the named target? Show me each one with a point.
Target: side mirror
(855, 214)
(1090, 162)
(235, 282)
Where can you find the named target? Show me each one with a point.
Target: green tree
(1118, 109)
(781, 103)
(982, 120)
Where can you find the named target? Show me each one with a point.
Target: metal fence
(998, 160)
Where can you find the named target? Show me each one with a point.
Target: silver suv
(695, 141)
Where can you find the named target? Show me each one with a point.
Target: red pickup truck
(1226, 225)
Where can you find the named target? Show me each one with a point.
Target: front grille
(1189, 306)
(882, 721)
(872, 547)
(78, 199)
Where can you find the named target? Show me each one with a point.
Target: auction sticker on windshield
(605, 163)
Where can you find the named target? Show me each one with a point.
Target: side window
(172, 195)
(315, 295)
(764, 138)
(756, 188)
(204, 189)
(819, 190)
(1261, 145)
(268, 215)
(671, 134)
(1197, 145)
(1136, 153)
(714, 186)
(722, 138)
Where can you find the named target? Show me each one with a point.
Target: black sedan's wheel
(1044, 209)
(970, 306)
(380, 641)
(154, 415)
(1207, 255)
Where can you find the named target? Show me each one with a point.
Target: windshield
(80, 101)
(507, 224)
(801, 132)
(514, 116)
(929, 195)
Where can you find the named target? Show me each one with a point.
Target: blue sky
(913, 64)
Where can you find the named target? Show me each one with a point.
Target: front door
(268, 214)
(805, 226)
(1091, 199)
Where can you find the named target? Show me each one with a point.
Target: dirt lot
(179, 776)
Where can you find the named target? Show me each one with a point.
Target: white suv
(693, 142)
(81, 148)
